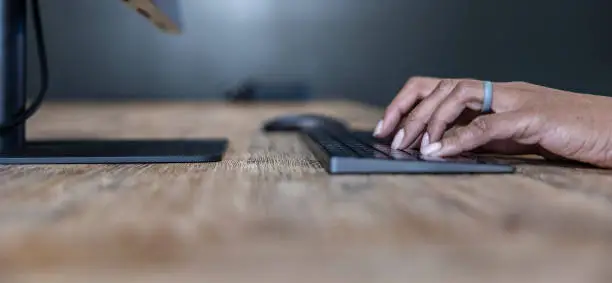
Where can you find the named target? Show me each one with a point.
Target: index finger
(416, 88)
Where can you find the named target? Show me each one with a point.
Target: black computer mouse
(303, 122)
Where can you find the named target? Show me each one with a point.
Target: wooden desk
(269, 213)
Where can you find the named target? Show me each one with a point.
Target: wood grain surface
(269, 213)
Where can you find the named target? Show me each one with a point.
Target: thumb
(482, 130)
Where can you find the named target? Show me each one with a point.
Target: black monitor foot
(117, 151)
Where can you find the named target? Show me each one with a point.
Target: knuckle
(480, 126)
(531, 122)
(447, 84)
(462, 86)
(412, 87)
(412, 119)
(416, 84)
(413, 81)
(467, 136)
(462, 91)
(391, 110)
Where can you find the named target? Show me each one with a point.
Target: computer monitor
(14, 112)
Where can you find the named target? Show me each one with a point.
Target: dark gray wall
(361, 49)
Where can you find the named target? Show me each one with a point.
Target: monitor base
(117, 151)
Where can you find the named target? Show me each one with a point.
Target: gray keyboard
(357, 152)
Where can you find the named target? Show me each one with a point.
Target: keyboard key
(362, 149)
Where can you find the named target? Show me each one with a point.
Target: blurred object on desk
(261, 90)
(164, 14)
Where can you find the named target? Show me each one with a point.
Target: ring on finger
(488, 97)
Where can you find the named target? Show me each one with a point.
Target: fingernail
(397, 141)
(431, 149)
(425, 140)
(378, 128)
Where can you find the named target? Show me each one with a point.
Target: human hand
(443, 118)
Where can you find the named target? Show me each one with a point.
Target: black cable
(44, 71)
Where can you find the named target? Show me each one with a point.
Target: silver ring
(488, 97)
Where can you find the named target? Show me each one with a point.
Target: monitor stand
(15, 149)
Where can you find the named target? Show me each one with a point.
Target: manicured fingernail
(431, 149)
(397, 141)
(425, 140)
(378, 128)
